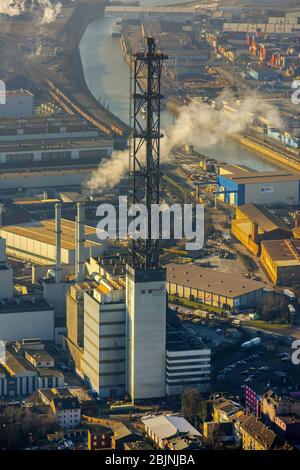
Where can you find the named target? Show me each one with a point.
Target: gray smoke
(48, 9)
(197, 123)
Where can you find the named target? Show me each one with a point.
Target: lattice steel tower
(146, 67)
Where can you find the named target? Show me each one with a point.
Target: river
(107, 76)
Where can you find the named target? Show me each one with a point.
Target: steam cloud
(197, 123)
(48, 8)
(110, 171)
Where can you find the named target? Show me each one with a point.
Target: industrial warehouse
(212, 287)
(269, 188)
(281, 260)
(144, 342)
(254, 224)
(36, 242)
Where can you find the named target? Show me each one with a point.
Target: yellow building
(225, 411)
(281, 261)
(252, 434)
(253, 224)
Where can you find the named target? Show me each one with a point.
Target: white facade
(30, 247)
(6, 282)
(188, 369)
(104, 344)
(26, 324)
(146, 333)
(272, 193)
(163, 427)
(44, 179)
(68, 418)
(19, 104)
(53, 151)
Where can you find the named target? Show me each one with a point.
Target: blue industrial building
(266, 188)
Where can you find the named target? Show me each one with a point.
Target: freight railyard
(107, 343)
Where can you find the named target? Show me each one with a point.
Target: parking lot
(258, 367)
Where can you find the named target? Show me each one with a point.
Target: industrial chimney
(79, 252)
(58, 242)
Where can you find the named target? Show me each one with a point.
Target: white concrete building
(104, 339)
(19, 104)
(162, 428)
(26, 317)
(146, 333)
(187, 369)
(64, 405)
(35, 242)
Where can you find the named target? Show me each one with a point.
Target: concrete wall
(146, 338)
(285, 192)
(17, 106)
(104, 347)
(25, 325)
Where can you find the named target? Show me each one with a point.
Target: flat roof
(44, 232)
(253, 177)
(208, 280)
(56, 145)
(149, 9)
(24, 303)
(263, 217)
(45, 172)
(283, 252)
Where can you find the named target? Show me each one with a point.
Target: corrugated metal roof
(165, 426)
(263, 217)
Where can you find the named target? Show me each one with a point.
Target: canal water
(107, 76)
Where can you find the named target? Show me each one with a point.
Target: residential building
(273, 405)
(225, 410)
(65, 406)
(252, 434)
(99, 437)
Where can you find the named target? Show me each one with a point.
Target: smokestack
(80, 262)
(58, 242)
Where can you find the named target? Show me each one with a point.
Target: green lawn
(193, 304)
(265, 325)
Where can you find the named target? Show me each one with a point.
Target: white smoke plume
(197, 123)
(110, 171)
(48, 9)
